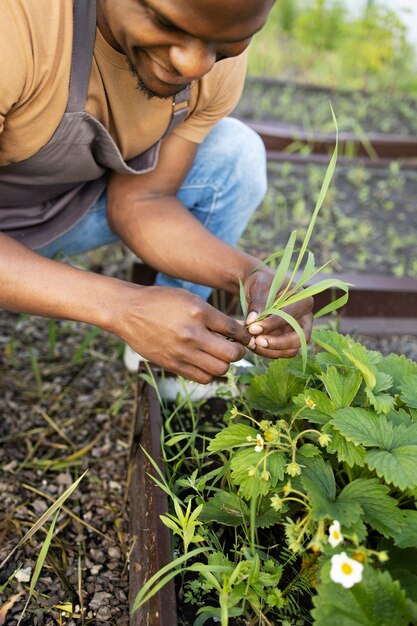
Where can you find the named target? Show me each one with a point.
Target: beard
(142, 86)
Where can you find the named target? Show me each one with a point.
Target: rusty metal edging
(151, 538)
(278, 137)
(378, 297)
(278, 156)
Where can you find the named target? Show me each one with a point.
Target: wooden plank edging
(151, 538)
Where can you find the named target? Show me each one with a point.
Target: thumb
(254, 327)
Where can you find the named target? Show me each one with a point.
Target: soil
(367, 224)
(270, 100)
(57, 399)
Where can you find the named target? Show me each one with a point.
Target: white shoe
(132, 359)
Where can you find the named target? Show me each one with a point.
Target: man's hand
(274, 338)
(180, 332)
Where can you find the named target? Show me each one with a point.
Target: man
(112, 126)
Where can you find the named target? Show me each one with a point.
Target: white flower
(335, 536)
(310, 403)
(345, 571)
(259, 444)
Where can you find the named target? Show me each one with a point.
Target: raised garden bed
(188, 477)
(367, 224)
(151, 541)
(295, 117)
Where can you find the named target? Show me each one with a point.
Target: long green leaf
(209, 612)
(39, 563)
(312, 290)
(205, 570)
(332, 306)
(84, 345)
(161, 583)
(44, 518)
(305, 278)
(297, 328)
(242, 297)
(171, 565)
(323, 191)
(307, 272)
(282, 270)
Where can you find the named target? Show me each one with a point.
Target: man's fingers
(276, 354)
(282, 343)
(193, 373)
(227, 351)
(228, 327)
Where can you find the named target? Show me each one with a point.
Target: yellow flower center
(336, 534)
(347, 569)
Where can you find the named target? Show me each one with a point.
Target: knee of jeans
(244, 159)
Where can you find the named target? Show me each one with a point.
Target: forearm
(164, 234)
(32, 284)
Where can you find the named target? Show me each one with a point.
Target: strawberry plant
(305, 490)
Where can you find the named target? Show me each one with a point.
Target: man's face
(170, 43)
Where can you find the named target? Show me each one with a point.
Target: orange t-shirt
(35, 58)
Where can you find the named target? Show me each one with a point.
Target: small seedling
(293, 290)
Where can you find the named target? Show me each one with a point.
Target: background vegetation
(318, 41)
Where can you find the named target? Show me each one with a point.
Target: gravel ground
(399, 344)
(67, 405)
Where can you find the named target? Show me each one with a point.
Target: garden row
(296, 118)
(290, 497)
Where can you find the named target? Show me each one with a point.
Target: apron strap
(83, 38)
(180, 108)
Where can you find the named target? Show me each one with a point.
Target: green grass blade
(43, 554)
(36, 371)
(39, 563)
(297, 328)
(242, 297)
(51, 338)
(84, 345)
(44, 518)
(4, 585)
(323, 191)
(306, 274)
(205, 570)
(164, 570)
(282, 270)
(312, 290)
(305, 278)
(332, 306)
(161, 583)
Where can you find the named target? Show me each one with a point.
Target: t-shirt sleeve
(13, 66)
(218, 93)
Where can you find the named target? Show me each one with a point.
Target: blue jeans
(225, 184)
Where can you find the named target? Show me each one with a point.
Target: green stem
(224, 612)
(253, 508)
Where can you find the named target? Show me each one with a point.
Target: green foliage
(233, 435)
(393, 453)
(273, 390)
(297, 452)
(318, 41)
(377, 599)
(226, 508)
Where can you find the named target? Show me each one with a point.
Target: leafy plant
(306, 493)
(291, 289)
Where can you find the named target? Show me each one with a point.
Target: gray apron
(45, 195)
